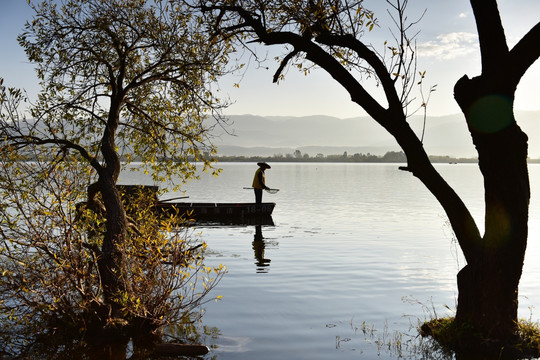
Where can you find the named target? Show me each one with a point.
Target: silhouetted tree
(488, 284)
(328, 34)
(127, 78)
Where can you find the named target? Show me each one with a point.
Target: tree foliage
(49, 250)
(121, 80)
(130, 72)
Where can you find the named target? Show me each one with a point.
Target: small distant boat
(217, 211)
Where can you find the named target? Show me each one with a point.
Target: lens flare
(491, 114)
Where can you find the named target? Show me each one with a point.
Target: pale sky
(447, 49)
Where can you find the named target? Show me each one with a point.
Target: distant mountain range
(318, 134)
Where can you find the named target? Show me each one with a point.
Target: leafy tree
(328, 34)
(121, 81)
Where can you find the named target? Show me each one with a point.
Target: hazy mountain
(444, 135)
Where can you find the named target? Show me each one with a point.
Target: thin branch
(284, 63)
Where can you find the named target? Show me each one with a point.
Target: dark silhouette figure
(258, 248)
(259, 182)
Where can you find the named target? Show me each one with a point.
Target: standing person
(259, 181)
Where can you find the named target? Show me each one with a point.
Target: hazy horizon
(443, 135)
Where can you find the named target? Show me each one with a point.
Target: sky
(447, 49)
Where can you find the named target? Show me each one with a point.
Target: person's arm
(261, 180)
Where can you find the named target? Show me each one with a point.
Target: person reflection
(258, 248)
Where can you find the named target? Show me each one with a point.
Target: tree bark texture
(112, 263)
(488, 284)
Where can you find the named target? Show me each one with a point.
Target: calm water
(353, 246)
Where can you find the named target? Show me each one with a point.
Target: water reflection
(180, 341)
(259, 245)
(236, 221)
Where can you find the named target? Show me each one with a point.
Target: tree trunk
(112, 264)
(488, 284)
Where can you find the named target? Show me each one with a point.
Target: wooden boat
(217, 211)
(228, 213)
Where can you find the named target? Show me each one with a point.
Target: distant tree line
(298, 156)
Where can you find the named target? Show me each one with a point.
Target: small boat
(225, 213)
(217, 211)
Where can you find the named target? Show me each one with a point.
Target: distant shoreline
(389, 157)
(440, 159)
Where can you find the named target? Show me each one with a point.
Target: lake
(358, 254)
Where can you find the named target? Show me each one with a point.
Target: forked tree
(328, 34)
(122, 81)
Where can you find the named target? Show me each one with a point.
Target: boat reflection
(235, 222)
